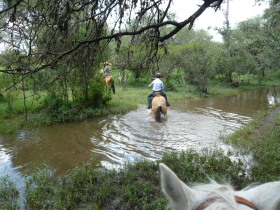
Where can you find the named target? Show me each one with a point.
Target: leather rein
(237, 198)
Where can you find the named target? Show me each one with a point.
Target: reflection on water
(131, 136)
(117, 139)
(4, 159)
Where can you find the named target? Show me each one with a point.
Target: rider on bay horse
(158, 86)
(106, 74)
(107, 68)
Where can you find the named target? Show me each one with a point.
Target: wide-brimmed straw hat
(158, 75)
(107, 63)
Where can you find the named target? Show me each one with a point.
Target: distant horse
(214, 196)
(159, 106)
(109, 81)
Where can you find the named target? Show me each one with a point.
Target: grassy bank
(41, 109)
(261, 139)
(136, 186)
(38, 113)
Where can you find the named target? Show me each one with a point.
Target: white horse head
(214, 196)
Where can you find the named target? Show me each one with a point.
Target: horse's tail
(158, 113)
(113, 86)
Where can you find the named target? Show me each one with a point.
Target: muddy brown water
(118, 139)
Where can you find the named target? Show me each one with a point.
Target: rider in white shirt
(158, 86)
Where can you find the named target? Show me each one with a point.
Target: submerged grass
(9, 194)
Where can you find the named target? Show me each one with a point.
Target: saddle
(155, 94)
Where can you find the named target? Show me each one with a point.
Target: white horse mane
(213, 189)
(214, 196)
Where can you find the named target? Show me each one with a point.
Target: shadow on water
(117, 139)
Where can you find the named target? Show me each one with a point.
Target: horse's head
(214, 196)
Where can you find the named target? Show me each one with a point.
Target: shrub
(97, 96)
(58, 109)
(169, 86)
(40, 188)
(9, 194)
(2, 98)
(141, 82)
(191, 167)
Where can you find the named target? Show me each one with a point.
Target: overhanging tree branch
(11, 7)
(55, 18)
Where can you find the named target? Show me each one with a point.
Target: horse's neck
(265, 196)
(182, 197)
(214, 196)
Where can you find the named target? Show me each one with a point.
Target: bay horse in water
(214, 196)
(109, 81)
(159, 106)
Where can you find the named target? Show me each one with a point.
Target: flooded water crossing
(117, 139)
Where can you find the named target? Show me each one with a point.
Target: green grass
(12, 114)
(261, 138)
(136, 186)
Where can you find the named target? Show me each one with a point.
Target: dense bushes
(58, 110)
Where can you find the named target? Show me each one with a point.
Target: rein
(237, 198)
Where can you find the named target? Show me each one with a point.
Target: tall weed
(9, 195)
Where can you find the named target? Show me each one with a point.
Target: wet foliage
(261, 139)
(136, 186)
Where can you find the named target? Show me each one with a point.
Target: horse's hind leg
(113, 88)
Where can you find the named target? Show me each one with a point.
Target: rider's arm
(162, 86)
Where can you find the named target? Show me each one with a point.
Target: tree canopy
(43, 33)
(59, 45)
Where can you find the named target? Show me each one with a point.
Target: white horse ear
(176, 191)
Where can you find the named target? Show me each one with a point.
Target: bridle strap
(237, 198)
(245, 202)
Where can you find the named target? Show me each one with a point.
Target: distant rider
(158, 86)
(107, 68)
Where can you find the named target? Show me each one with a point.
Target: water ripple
(136, 134)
